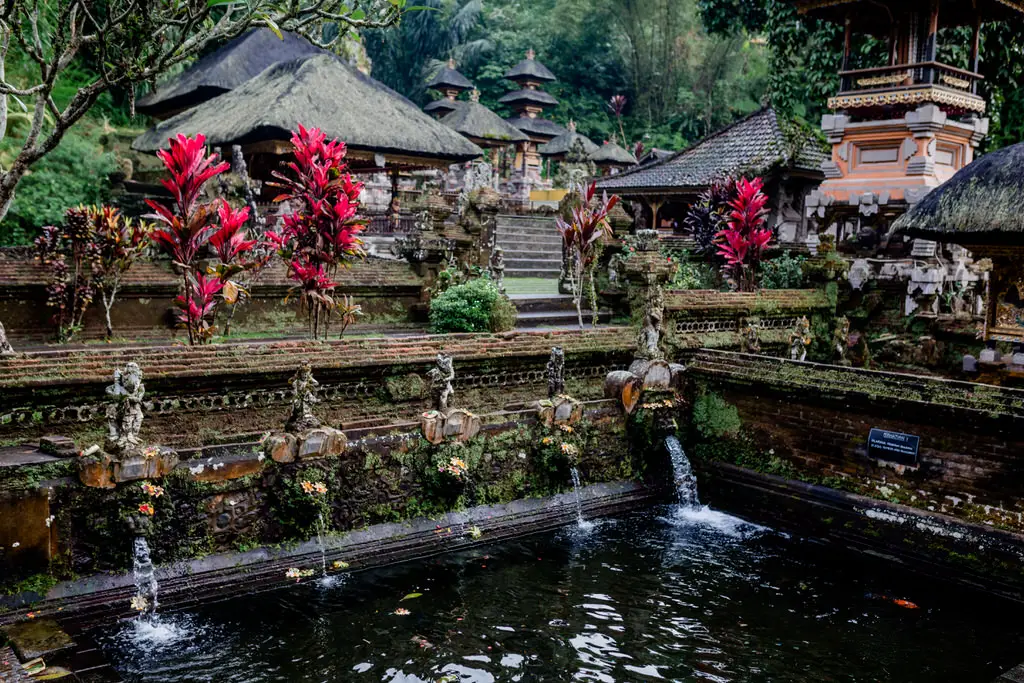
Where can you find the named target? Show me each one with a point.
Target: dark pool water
(655, 596)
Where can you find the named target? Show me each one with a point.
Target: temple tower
(529, 103)
(903, 127)
(450, 83)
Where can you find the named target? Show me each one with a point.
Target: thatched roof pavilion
(560, 145)
(612, 155)
(530, 70)
(980, 205)
(376, 123)
(483, 126)
(218, 72)
(980, 208)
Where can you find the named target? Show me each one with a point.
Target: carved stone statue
(800, 338)
(498, 268)
(750, 341)
(304, 388)
(441, 378)
(5, 346)
(124, 414)
(556, 372)
(840, 340)
(648, 340)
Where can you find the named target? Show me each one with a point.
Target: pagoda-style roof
(442, 107)
(755, 144)
(980, 205)
(612, 154)
(875, 16)
(449, 78)
(537, 126)
(563, 143)
(483, 126)
(530, 70)
(227, 68)
(528, 96)
(319, 91)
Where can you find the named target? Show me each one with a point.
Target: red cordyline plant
(321, 233)
(91, 252)
(189, 226)
(743, 241)
(581, 241)
(617, 105)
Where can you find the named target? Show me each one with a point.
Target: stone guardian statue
(5, 346)
(556, 372)
(304, 388)
(441, 378)
(124, 414)
(799, 339)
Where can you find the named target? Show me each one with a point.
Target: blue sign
(893, 446)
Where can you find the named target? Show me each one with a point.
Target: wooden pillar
(931, 47)
(847, 50)
(976, 50)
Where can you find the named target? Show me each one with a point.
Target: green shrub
(75, 173)
(476, 306)
(783, 272)
(694, 274)
(714, 417)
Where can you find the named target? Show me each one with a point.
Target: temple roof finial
(451, 62)
(571, 126)
(474, 95)
(530, 54)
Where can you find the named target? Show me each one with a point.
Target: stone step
(559, 318)
(528, 233)
(551, 246)
(533, 264)
(542, 304)
(545, 274)
(525, 255)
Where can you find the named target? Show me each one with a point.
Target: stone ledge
(102, 598)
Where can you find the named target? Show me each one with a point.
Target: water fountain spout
(145, 600)
(682, 474)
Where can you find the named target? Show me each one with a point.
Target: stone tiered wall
(204, 395)
(711, 319)
(809, 423)
(385, 289)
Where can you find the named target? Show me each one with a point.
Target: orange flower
(146, 509)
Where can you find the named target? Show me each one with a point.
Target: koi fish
(899, 602)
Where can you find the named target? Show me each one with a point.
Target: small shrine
(529, 103)
(450, 83)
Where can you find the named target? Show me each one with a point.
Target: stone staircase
(552, 311)
(532, 246)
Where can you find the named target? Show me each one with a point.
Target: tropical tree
(581, 242)
(321, 234)
(132, 42)
(119, 242)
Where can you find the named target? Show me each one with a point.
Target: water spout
(323, 550)
(145, 577)
(580, 521)
(682, 474)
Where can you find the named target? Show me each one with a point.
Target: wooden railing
(910, 75)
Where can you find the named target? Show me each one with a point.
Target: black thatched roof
(982, 204)
(443, 106)
(323, 92)
(611, 154)
(476, 121)
(449, 77)
(530, 97)
(530, 70)
(563, 143)
(537, 126)
(754, 144)
(227, 68)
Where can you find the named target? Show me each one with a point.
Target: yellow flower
(565, 428)
(546, 441)
(152, 489)
(339, 564)
(139, 603)
(459, 464)
(475, 532)
(307, 486)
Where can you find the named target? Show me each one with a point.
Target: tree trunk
(108, 303)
